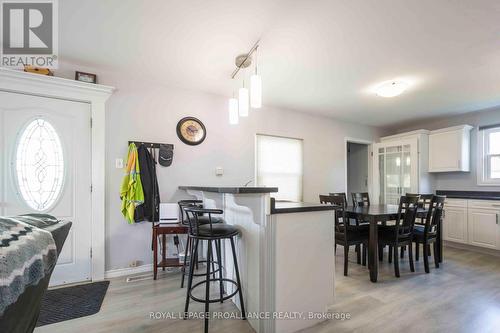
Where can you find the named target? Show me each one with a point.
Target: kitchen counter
(281, 207)
(478, 195)
(230, 189)
(277, 274)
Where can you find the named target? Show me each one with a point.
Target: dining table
(381, 213)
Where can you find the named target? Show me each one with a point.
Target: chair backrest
(339, 203)
(360, 199)
(193, 213)
(187, 203)
(340, 194)
(407, 212)
(434, 214)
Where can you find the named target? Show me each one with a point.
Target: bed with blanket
(29, 247)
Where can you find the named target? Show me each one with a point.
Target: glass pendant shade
(243, 102)
(233, 111)
(256, 91)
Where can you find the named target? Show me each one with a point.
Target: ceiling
(320, 57)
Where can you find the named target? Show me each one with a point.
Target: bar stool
(212, 233)
(189, 243)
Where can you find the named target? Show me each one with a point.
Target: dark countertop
(231, 189)
(478, 195)
(297, 207)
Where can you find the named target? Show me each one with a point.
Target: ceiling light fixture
(391, 88)
(246, 98)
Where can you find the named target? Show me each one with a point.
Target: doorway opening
(357, 168)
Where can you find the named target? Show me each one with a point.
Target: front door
(46, 168)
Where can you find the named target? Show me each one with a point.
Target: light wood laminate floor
(461, 296)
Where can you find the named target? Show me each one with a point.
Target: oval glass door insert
(39, 166)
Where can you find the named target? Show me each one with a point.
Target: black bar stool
(212, 233)
(189, 243)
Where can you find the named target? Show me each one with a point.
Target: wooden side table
(163, 230)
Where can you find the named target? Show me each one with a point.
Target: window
(489, 156)
(39, 165)
(279, 164)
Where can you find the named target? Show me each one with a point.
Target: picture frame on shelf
(85, 77)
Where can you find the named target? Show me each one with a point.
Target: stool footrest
(219, 267)
(213, 300)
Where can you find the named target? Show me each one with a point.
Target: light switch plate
(119, 163)
(219, 171)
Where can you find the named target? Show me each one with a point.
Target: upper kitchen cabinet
(449, 149)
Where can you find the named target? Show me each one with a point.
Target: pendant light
(256, 87)
(243, 101)
(233, 111)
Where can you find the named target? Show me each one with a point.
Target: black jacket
(149, 181)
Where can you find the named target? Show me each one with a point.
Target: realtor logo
(29, 33)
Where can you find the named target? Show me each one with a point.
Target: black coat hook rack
(153, 145)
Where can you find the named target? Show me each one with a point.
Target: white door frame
(95, 95)
(348, 139)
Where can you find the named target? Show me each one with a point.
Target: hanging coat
(131, 192)
(150, 209)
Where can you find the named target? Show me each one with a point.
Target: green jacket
(131, 192)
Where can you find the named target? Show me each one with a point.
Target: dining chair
(360, 199)
(356, 221)
(427, 234)
(341, 194)
(401, 233)
(346, 235)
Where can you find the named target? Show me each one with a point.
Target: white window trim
(481, 172)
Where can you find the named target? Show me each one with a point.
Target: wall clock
(191, 131)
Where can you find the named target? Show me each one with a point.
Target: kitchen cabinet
(400, 166)
(473, 222)
(449, 149)
(455, 221)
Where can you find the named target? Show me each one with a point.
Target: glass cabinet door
(395, 170)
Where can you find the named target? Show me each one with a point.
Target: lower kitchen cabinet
(473, 222)
(455, 224)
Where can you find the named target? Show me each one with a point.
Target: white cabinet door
(455, 224)
(483, 227)
(395, 170)
(449, 149)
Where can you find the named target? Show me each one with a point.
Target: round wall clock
(191, 131)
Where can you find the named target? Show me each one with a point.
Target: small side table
(163, 230)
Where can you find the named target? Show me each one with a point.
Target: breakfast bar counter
(285, 254)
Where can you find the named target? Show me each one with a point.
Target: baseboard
(114, 273)
(472, 248)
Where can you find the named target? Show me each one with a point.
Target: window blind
(279, 162)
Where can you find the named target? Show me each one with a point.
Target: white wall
(459, 180)
(149, 112)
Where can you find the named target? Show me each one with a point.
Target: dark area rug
(72, 302)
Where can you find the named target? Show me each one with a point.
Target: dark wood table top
(378, 211)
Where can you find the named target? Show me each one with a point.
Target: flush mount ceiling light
(246, 98)
(391, 88)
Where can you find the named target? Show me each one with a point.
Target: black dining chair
(356, 221)
(427, 234)
(346, 234)
(401, 234)
(360, 199)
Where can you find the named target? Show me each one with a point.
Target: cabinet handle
(497, 217)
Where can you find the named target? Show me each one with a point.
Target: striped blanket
(27, 254)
